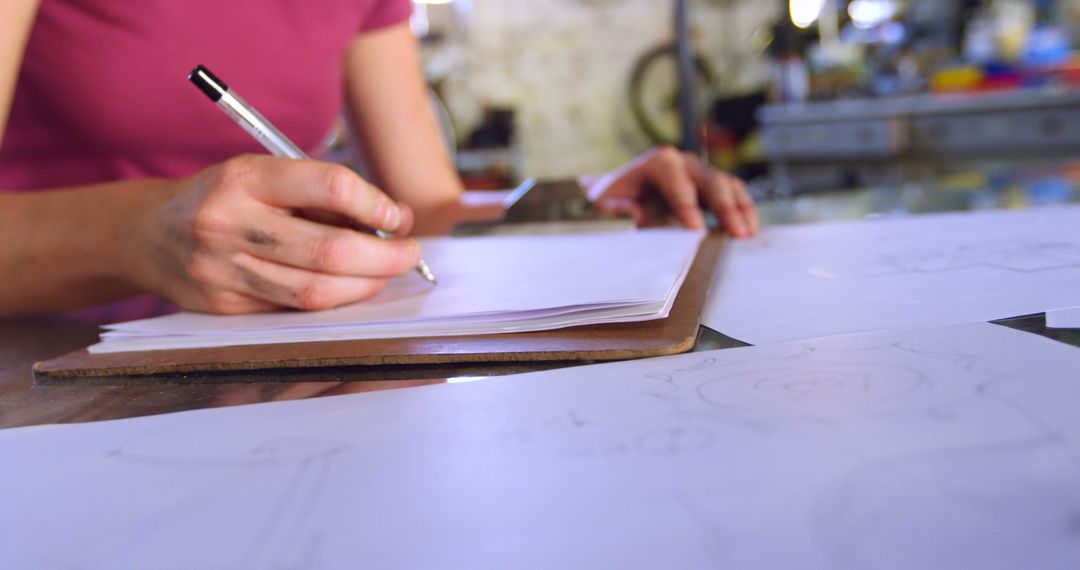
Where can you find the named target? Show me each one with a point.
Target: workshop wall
(565, 65)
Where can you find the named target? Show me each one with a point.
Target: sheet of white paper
(477, 198)
(823, 279)
(487, 284)
(953, 447)
(1063, 319)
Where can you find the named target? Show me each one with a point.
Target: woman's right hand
(233, 239)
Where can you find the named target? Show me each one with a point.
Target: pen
(258, 127)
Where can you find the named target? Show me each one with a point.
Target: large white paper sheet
(954, 447)
(823, 279)
(486, 285)
(1063, 319)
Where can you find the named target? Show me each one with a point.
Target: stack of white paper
(486, 285)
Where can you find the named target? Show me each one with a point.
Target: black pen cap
(208, 83)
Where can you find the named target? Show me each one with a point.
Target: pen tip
(426, 272)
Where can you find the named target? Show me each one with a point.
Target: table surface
(25, 341)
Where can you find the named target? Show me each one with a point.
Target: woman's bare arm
(227, 240)
(388, 103)
(67, 249)
(16, 19)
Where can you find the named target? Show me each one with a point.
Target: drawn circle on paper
(674, 441)
(810, 385)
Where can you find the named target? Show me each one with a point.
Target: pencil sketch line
(709, 526)
(304, 549)
(151, 526)
(268, 531)
(1010, 256)
(674, 441)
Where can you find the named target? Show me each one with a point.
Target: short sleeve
(384, 13)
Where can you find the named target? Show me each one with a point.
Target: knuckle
(686, 195)
(316, 295)
(332, 254)
(669, 155)
(210, 220)
(722, 188)
(235, 171)
(340, 188)
(721, 184)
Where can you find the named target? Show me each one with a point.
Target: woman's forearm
(71, 248)
(398, 133)
(230, 239)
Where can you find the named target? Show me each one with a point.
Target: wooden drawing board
(673, 335)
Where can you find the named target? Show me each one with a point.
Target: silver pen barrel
(258, 127)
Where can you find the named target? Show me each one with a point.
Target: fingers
(314, 185)
(745, 203)
(233, 303)
(685, 182)
(618, 207)
(667, 171)
(337, 220)
(304, 244)
(299, 289)
(742, 204)
(727, 197)
(242, 237)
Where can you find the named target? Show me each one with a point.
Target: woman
(117, 178)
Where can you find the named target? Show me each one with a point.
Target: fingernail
(393, 217)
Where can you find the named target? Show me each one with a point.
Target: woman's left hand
(666, 182)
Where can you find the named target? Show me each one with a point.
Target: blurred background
(972, 101)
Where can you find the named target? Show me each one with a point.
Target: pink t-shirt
(103, 93)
